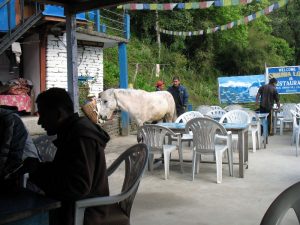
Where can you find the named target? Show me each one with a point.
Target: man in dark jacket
(78, 170)
(267, 94)
(180, 96)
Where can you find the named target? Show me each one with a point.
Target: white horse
(141, 105)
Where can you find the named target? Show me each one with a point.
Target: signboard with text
(288, 78)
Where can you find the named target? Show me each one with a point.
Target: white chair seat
(186, 137)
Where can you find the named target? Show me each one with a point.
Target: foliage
(272, 40)
(83, 91)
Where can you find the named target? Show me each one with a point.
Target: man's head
(176, 81)
(273, 81)
(54, 106)
(160, 84)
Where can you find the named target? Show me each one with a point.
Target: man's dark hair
(55, 98)
(176, 78)
(273, 81)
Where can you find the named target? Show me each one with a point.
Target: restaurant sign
(288, 78)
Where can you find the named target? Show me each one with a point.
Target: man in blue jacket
(180, 95)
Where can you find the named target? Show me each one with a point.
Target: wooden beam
(72, 59)
(43, 46)
(95, 4)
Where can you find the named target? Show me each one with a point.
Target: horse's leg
(139, 137)
(168, 118)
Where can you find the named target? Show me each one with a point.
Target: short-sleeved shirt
(268, 95)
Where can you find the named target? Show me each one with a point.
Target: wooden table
(25, 207)
(242, 131)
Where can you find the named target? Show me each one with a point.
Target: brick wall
(90, 63)
(113, 127)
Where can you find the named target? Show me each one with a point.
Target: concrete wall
(90, 63)
(31, 56)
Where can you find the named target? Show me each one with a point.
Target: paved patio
(237, 201)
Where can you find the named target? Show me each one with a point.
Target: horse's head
(108, 104)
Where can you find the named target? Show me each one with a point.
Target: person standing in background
(160, 86)
(180, 95)
(267, 94)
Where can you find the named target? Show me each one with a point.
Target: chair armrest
(105, 200)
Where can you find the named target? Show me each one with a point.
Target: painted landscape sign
(288, 78)
(239, 89)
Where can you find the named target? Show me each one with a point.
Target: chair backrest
(235, 116)
(286, 110)
(288, 199)
(254, 118)
(203, 109)
(183, 118)
(204, 131)
(135, 159)
(297, 107)
(45, 148)
(214, 107)
(232, 107)
(217, 113)
(154, 136)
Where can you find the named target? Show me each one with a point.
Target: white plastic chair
(287, 116)
(298, 107)
(232, 107)
(254, 129)
(154, 136)
(45, 148)
(287, 200)
(214, 107)
(132, 162)
(184, 118)
(204, 131)
(216, 113)
(234, 116)
(203, 109)
(296, 116)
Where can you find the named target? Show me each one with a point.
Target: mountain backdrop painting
(239, 89)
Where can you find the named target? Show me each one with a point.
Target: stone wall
(113, 127)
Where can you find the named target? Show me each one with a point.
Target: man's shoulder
(182, 88)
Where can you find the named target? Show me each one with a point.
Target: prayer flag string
(230, 25)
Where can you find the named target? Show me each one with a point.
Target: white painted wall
(90, 63)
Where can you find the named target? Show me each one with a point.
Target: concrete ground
(236, 201)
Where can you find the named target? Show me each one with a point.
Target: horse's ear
(100, 93)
